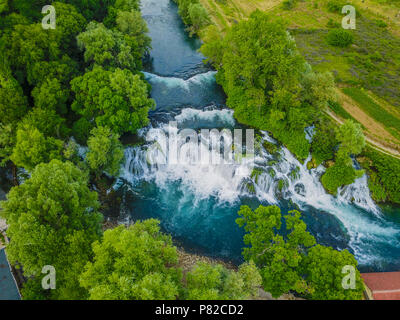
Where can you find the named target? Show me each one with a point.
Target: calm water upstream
(198, 204)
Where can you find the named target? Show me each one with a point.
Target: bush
(335, 6)
(323, 143)
(193, 14)
(381, 23)
(339, 175)
(288, 4)
(340, 38)
(384, 175)
(332, 24)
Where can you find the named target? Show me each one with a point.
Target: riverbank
(380, 133)
(187, 260)
(308, 22)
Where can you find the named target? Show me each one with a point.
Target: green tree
(106, 48)
(51, 95)
(117, 99)
(340, 174)
(28, 44)
(105, 151)
(69, 24)
(351, 142)
(64, 70)
(3, 5)
(7, 143)
(32, 148)
(198, 16)
(94, 9)
(214, 282)
(339, 37)
(213, 47)
(257, 71)
(48, 122)
(134, 263)
(324, 142)
(13, 103)
(81, 130)
(319, 89)
(135, 30)
(324, 266)
(52, 220)
(260, 69)
(351, 139)
(289, 260)
(277, 258)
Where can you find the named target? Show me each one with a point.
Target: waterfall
(274, 178)
(173, 82)
(198, 91)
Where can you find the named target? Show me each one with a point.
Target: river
(198, 205)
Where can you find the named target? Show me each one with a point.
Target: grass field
(376, 111)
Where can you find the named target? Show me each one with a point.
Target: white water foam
(224, 116)
(229, 182)
(171, 82)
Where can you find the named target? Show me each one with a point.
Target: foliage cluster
(193, 14)
(267, 81)
(289, 259)
(339, 37)
(384, 175)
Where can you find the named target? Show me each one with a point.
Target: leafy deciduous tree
(215, 282)
(52, 221)
(105, 151)
(135, 263)
(324, 269)
(117, 99)
(32, 148)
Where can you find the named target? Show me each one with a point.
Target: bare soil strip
(377, 145)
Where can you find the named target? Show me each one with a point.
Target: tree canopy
(289, 260)
(117, 99)
(215, 282)
(105, 151)
(53, 220)
(351, 142)
(137, 263)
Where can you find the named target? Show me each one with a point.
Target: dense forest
(81, 84)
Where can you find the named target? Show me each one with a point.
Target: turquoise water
(198, 204)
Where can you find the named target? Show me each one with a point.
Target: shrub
(335, 6)
(288, 4)
(340, 38)
(339, 175)
(384, 175)
(332, 24)
(381, 23)
(323, 143)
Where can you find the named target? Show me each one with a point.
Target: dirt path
(371, 141)
(373, 127)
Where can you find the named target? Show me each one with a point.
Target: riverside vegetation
(83, 80)
(280, 93)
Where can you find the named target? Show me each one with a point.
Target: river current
(198, 204)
